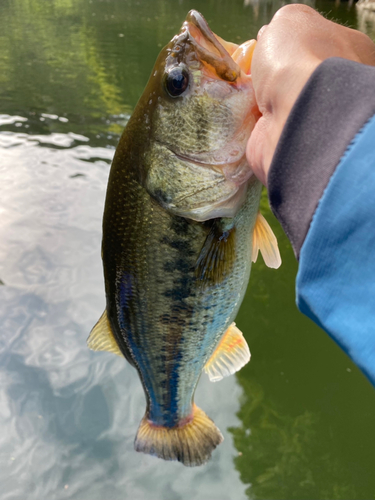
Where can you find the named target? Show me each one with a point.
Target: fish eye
(177, 81)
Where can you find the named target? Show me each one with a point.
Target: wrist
(310, 146)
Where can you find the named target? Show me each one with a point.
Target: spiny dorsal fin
(265, 241)
(101, 337)
(217, 256)
(230, 355)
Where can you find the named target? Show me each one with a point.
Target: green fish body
(177, 245)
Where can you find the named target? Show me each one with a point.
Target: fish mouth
(227, 59)
(229, 62)
(209, 49)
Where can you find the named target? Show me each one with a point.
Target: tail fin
(190, 443)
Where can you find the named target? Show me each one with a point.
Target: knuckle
(293, 10)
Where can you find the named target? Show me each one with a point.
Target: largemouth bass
(180, 229)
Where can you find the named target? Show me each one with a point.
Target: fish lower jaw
(234, 167)
(224, 207)
(230, 156)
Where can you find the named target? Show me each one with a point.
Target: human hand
(288, 50)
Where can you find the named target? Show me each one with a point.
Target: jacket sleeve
(322, 190)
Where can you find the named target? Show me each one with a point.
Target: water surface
(297, 421)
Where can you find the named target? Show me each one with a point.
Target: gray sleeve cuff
(337, 100)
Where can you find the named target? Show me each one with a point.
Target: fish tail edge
(191, 442)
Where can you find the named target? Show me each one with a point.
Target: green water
(297, 421)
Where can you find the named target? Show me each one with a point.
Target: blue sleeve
(336, 276)
(322, 189)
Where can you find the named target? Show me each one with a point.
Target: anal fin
(230, 355)
(101, 337)
(265, 241)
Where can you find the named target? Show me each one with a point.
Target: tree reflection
(286, 457)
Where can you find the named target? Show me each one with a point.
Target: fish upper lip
(215, 54)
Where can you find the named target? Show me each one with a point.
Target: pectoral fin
(230, 355)
(265, 241)
(217, 256)
(101, 337)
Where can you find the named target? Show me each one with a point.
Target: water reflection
(287, 454)
(69, 416)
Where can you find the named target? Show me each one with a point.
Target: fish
(181, 226)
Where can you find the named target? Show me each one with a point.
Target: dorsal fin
(101, 337)
(217, 256)
(265, 241)
(230, 355)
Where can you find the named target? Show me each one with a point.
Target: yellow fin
(101, 337)
(191, 442)
(265, 241)
(230, 355)
(217, 256)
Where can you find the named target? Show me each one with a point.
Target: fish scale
(180, 311)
